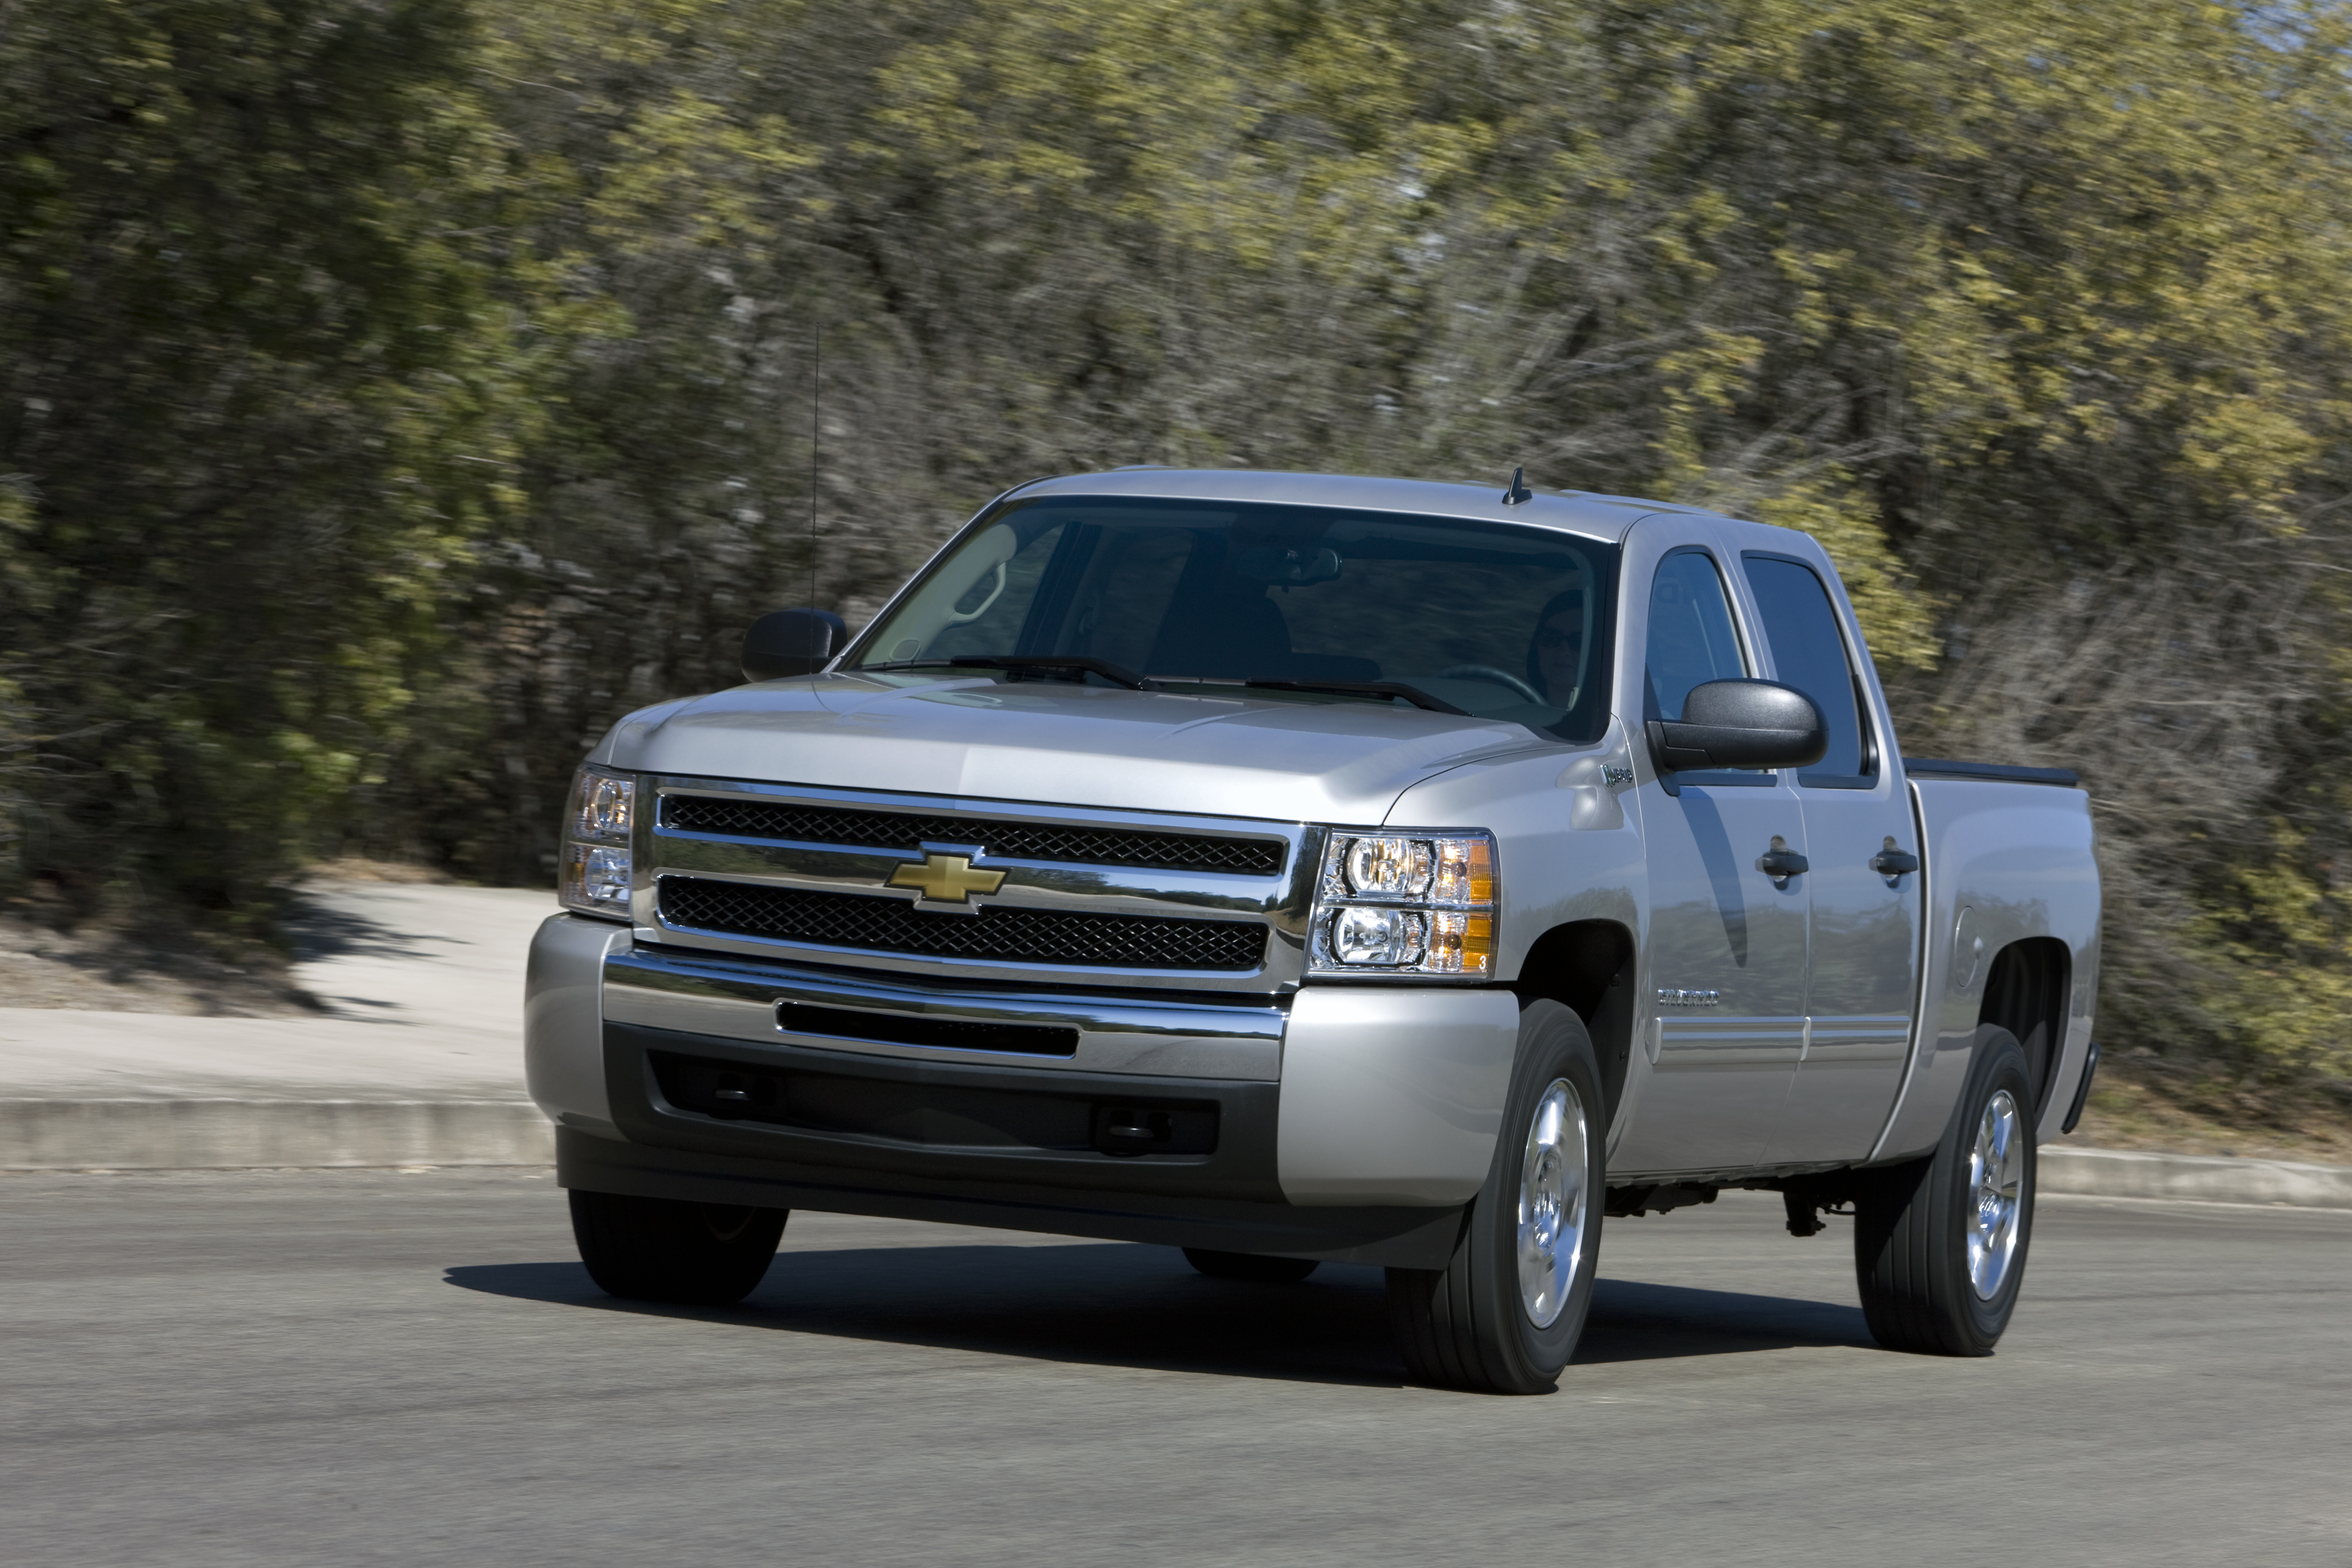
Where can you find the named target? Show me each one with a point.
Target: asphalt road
(308, 1368)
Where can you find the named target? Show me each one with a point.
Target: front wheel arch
(1587, 966)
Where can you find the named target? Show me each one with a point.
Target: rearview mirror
(1740, 724)
(1290, 568)
(792, 642)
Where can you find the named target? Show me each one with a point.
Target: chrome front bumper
(1183, 1035)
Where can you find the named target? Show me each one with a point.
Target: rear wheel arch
(1587, 966)
(2027, 992)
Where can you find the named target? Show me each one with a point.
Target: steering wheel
(1499, 677)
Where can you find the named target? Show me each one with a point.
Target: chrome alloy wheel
(1555, 1206)
(1996, 1193)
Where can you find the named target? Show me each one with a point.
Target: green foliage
(246, 389)
(394, 395)
(2286, 985)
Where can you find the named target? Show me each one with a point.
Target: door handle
(1891, 862)
(1780, 862)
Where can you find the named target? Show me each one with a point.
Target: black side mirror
(1740, 724)
(792, 642)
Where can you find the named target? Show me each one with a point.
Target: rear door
(1864, 911)
(1727, 942)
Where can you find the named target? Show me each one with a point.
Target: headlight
(1377, 936)
(1420, 903)
(596, 874)
(1387, 867)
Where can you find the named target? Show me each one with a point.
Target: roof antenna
(1518, 491)
(816, 467)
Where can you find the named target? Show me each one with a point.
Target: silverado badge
(946, 879)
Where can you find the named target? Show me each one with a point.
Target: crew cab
(1298, 868)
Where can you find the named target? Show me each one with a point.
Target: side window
(1691, 638)
(1809, 654)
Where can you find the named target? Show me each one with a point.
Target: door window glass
(1691, 638)
(1809, 654)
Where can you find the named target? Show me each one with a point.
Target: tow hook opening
(739, 1092)
(1126, 1129)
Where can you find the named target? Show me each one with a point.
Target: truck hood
(1062, 743)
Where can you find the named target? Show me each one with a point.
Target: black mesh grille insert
(741, 818)
(997, 933)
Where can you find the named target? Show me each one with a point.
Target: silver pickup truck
(1295, 868)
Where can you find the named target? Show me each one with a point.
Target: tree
(396, 396)
(252, 410)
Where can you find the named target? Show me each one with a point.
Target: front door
(1727, 938)
(1866, 908)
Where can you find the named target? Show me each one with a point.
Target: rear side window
(1691, 640)
(1809, 654)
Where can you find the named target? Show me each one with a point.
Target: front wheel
(1940, 1243)
(1504, 1316)
(658, 1249)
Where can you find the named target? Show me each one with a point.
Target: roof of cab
(1593, 516)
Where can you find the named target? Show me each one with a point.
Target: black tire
(657, 1249)
(1466, 1325)
(1249, 1267)
(1914, 1223)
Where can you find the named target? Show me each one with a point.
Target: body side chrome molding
(1679, 1042)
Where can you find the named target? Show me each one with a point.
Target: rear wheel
(657, 1249)
(1505, 1314)
(1940, 1244)
(1249, 1267)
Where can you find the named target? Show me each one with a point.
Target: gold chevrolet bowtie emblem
(947, 878)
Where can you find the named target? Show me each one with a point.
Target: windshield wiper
(1015, 663)
(1391, 689)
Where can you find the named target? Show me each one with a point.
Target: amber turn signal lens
(1460, 943)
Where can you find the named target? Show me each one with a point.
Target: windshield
(1493, 620)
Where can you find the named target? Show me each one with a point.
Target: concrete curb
(226, 1134)
(2124, 1174)
(232, 1134)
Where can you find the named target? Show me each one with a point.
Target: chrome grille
(999, 932)
(737, 818)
